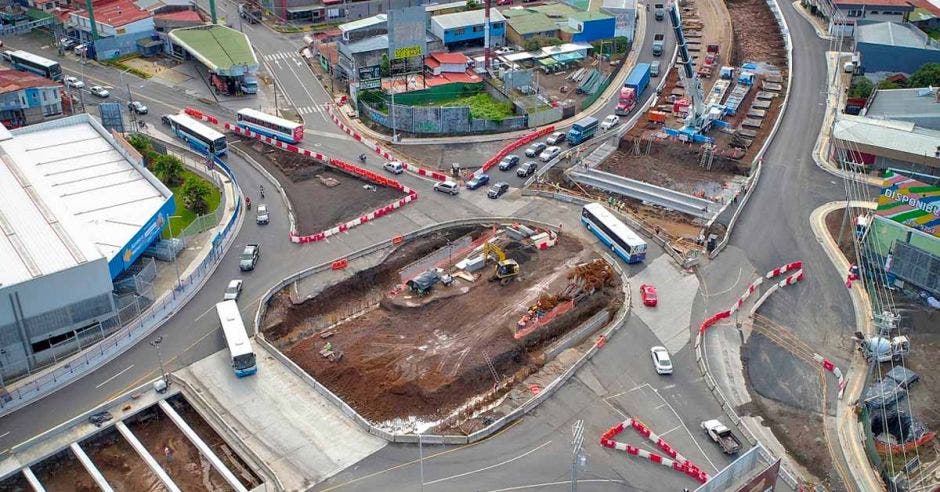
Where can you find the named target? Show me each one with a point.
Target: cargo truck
(633, 88)
(582, 130)
(659, 40)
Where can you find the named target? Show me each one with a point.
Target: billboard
(763, 482)
(407, 32)
(370, 72)
(911, 203)
(111, 117)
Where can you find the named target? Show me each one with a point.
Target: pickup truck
(659, 40)
(722, 435)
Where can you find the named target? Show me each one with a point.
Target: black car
(508, 162)
(527, 169)
(165, 119)
(497, 190)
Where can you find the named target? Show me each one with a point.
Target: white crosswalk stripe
(284, 55)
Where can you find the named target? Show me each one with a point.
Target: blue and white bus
(615, 234)
(270, 126)
(239, 346)
(25, 61)
(197, 135)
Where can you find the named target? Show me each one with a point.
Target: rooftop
(589, 16)
(355, 25)
(217, 47)
(116, 13)
(532, 23)
(903, 5)
(619, 4)
(892, 34)
(450, 58)
(464, 19)
(919, 106)
(14, 80)
(899, 136)
(434, 7)
(180, 15)
(559, 10)
(70, 194)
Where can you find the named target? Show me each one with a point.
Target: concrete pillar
(91, 468)
(202, 446)
(33, 481)
(148, 458)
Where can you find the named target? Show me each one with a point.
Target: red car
(648, 293)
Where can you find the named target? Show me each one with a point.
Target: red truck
(635, 84)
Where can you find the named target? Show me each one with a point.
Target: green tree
(385, 66)
(861, 87)
(168, 169)
(927, 75)
(196, 194)
(889, 84)
(144, 145)
(474, 5)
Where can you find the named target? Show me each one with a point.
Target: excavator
(506, 269)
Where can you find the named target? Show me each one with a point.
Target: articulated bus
(25, 61)
(239, 346)
(197, 135)
(615, 234)
(270, 126)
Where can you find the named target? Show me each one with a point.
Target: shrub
(196, 194)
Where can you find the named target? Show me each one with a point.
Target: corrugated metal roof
(919, 106)
(355, 25)
(68, 196)
(535, 22)
(218, 47)
(465, 19)
(891, 34)
(901, 136)
(619, 5)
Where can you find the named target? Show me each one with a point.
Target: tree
(861, 87)
(168, 169)
(144, 145)
(196, 193)
(927, 75)
(385, 66)
(889, 84)
(474, 5)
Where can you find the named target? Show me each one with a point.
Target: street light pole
(155, 343)
(421, 460)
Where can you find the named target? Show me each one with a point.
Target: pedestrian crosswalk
(283, 55)
(313, 109)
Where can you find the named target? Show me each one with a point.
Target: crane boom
(693, 86)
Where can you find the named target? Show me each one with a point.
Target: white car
(233, 290)
(262, 216)
(394, 167)
(448, 187)
(610, 122)
(99, 91)
(550, 153)
(661, 360)
(73, 82)
(555, 138)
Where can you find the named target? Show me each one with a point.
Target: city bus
(25, 61)
(197, 135)
(270, 126)
(612, 232)
(239, 346)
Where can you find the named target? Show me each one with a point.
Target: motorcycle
(248, 203)
(362, 157)
(261, 190)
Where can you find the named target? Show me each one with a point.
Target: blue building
(27, 98)
(893, 48)
(120, 25)
(585, 27)
(467, 28)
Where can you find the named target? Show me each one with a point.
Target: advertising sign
(370, 84)
(911, 203)
(763, 482)
(370, 72)
(407, 32)
(111, 116)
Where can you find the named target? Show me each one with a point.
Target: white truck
(722, 435)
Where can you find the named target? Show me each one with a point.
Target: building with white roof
(887, 144)
(919, 106)
(77, 208)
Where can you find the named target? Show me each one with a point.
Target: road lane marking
(106, 381)
(671, 386)
(670, 430)
(4, 434)
(501, 463)
(566, 483)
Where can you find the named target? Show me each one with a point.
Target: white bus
(270, 126)
(239, 346)
(26, 61)
(615, 234)
(197, 135)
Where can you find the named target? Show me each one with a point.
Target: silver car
(550, 153)
(233, 290)
(661, 360)
(262, 217)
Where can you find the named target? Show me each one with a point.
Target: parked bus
(270, 126)
(582, 130)
(615, 234)
(197, 135)
(25, 61)
(239, 346)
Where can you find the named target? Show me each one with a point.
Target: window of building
(477, 28)
(855, 13)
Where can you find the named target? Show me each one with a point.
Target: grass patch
(934, 33)
(483, 106)
(120, 65)
(185, 215)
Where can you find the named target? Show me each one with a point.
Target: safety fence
(675, 461)
(118, 342)
(526, 407)
(492, 161)
(437, 120)
(295, 237)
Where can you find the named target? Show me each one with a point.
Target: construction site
(439, 332)
(322, 195)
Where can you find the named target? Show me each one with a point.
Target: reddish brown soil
(424, 359)
(215, 442)
(756, 33)
(121, 466)
(316, 206)
(63, 471)
(185, 466)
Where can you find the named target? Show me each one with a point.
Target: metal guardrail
(657, 195)
(366, 426)
(120, 341)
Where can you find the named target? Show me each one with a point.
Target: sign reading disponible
(910, 202)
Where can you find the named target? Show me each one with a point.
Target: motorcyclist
(362, 157)
(248, 202)
(261, 190)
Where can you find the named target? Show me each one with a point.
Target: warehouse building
(879, 144)
(466, 28)
(919, 106)
(584, 27)
(892, 47)
(77, 208)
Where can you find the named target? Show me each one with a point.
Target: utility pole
(155, 343)
(577, 456)
(274, 80)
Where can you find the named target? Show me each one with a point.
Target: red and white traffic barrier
(829, 366)
(492, 161)
(199, 115)
(789, 280)
(675, 461)
(789, 267)
(384, 153)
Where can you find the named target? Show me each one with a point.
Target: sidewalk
(821, 28)
(847, 426)
(613, 90)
